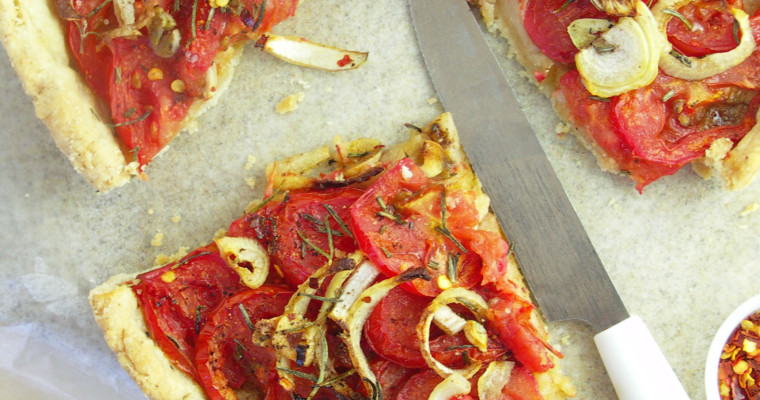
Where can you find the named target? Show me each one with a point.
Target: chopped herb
(358, 155)
(239, 349)
(337, 378)
(208, 20)
(599, 98)
(97, 9)
(563, 6)
(176, 5)
(432, 264)
(735, 31)
(410, 126)
(447, 233)
(320, 298)
(383, 228)
(266, 200)
(174, 341)
(312, 219)
(387, 253)
(339, 221)
(461, 346)
(669, 95)
(680, 16)
(382, 203)
(298, 374)
(140, 118)
(297, 328)
(192, 19)
(246, 317)
(680, 57)
(260, 17)
(135, 153)
(452, 267)
(186, 260)
(117, 75)
(303, 250)
(129, 112)
(198, 318)
(330, 244)
(312, 245)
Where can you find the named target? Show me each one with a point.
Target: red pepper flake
(367, 299)
(739, 368)
(540, 76)
(345, 61)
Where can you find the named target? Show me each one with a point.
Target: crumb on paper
(432, 100)
(251, 182)
(220, 233)
(250, 162)
(565, 340)
(163, 259)
(749, 209)
(176, 218)
(157, 240)
(150, 211)
(328, 89)
(26, 195)
(289, 103)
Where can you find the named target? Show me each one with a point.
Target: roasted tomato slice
(510, 317)
(708, 27)
(399, 225)
(546, 22)
(522, 385)
(593, 116)
(672, 121)
(178, 298)
(391, 331)
(226, 358)
(294, 230)
(419, 385)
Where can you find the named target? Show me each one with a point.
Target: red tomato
(282, 227)
(712, 29)
(391, 331)
(419, 386)
(511, 318)
(397, 223)
(494, 252)
(593, 116)
(676, 131)
(390, 376)
(178, 298)
(546, 22)
(226, 358)
(743, 75)
(522, 385)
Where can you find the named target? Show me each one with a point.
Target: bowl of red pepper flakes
(733, 363)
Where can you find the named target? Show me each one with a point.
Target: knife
(564, 272)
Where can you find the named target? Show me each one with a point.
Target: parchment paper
(682, 255)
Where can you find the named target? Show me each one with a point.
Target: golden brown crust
(737, 167)
(35, 40)
(118, 314)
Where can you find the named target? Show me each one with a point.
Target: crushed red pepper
(739, 368)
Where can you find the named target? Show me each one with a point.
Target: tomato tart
(116, 80)
(365, 272)
(647, 86)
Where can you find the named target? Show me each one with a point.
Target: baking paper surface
(680, 254)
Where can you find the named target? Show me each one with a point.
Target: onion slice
(493, 380)
(695, 68)
(474, 302)
(301, 52)
(360, 280)
(246, 257)
(453, 386)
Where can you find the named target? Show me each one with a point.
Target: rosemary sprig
(312, 245)
(563, 6)
(298, 374)
(208, 20)
(97, 9)
(339, 221)
(260, 17)
(680, 16)
(246, 317)
(192, 18)
(330, 244)
(320, 298)
(452, 266)
(265, 201)
(442, 229)
(669, 95)
(186, 260)
(140, 118)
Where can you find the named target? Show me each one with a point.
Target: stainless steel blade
(560, 264)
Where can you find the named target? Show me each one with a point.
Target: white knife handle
(636, 366)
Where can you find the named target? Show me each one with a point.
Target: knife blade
(559, 262)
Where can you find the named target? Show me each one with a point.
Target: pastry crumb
(220, 233)
(163, 259)
(749, 209)
(251, 182)
(157, 240)
(250, 162)
(150, 211)
(176, 218)
(289, 103)
(432, 100)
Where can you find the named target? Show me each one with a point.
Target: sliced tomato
(510, 317)
(226, 358)
(546, 23)
(683, 118)
(494, 253)
(294, 229)
(398, 224)
(390, 376)
(742, 75)
(178, 298)
(419, 385)
(593, 116)
(522, 385)
(710, 29)
(391, 331)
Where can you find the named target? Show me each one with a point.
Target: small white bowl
(716, 348)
